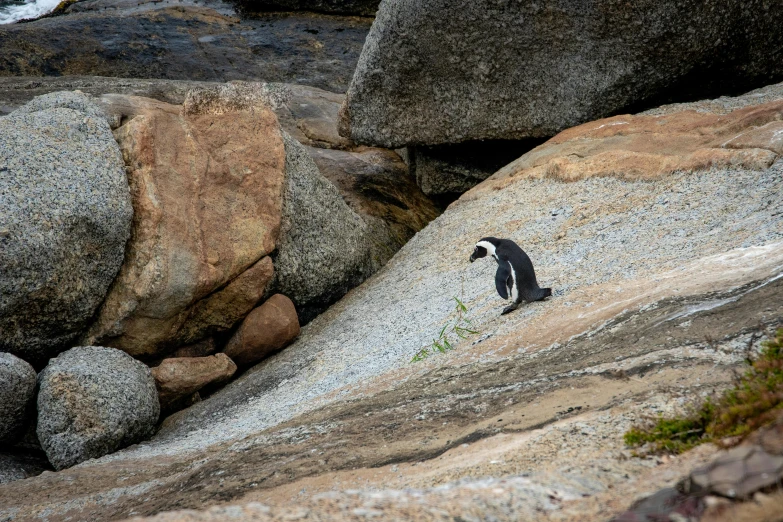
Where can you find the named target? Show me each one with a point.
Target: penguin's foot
(509, 309)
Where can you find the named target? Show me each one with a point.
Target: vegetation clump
(754, 401)
(460, 327)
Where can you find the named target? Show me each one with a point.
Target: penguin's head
(478, 253)
(483, 247)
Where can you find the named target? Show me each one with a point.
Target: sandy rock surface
(94, 401)
(207, 184)
(65, 215)
(434, 72)
(661, 283)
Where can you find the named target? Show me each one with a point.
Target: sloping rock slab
(16, 91)
(434, 72)
(185, 42)
(657, 281)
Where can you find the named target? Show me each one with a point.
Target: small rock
(93, 401)
(267, 329)
(181, 377)
(17, 391)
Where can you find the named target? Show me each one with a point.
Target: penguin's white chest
(513, 290)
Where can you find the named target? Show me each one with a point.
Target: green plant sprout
(460, 326)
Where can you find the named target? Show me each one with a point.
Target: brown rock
(206, 182)
(181, 377)
(267, 329)
(649, 146)
(376, 184)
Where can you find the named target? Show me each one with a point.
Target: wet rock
(177, 41)
(436, 72)
(181, 377)
(267, 329)
(357, 7)
(207, 182)
(64, 221)
(17, 395)
(94, 401)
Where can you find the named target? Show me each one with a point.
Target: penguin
(515, 276)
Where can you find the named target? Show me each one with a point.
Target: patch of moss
(754, 401)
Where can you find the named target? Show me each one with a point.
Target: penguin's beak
(472, 258)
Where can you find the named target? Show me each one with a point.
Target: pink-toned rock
(206, 181)
(267, 329)
(181, 377)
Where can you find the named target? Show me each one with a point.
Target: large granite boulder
(65, 217)
(17, 394)
(434, 72)
(324, 248)
(207, 184)
(93, 401)
(375, 183)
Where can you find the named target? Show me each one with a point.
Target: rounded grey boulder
(93, 401)
(324, 248)
(65, 215)
(435, 72)
(17, 391)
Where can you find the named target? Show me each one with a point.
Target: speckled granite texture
(65, 215)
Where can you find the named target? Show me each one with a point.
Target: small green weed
(460, 326)
(755, 400)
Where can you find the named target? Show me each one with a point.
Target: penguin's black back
(527, 286)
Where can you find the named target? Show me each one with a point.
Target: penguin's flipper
(501, 278)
